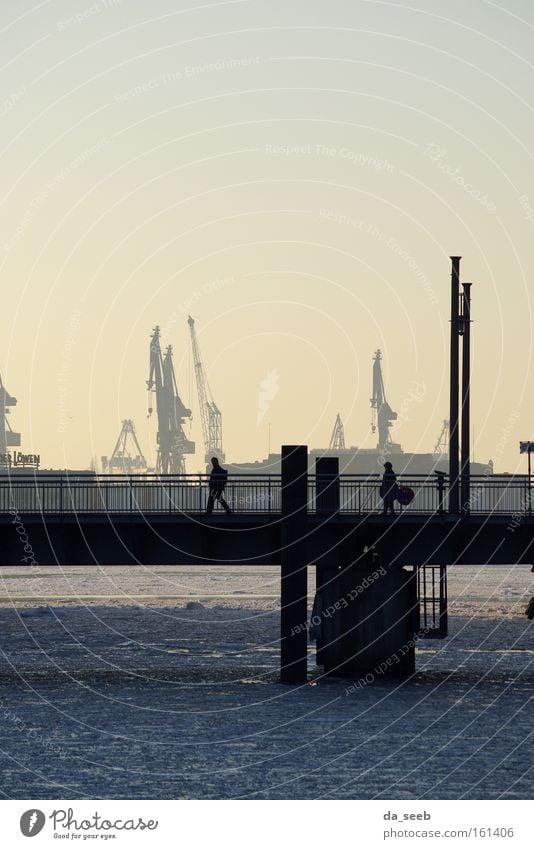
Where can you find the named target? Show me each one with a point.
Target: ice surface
(112, 688)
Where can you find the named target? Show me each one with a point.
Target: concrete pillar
(294, 565)
(326, 566)
(370, 619)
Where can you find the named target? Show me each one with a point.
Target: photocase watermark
(341, 604)
(386, 665)
(346, 153)
(67, 820)
(523, 510)
(32, 822)
(527, 207)
(390, 242)
(20, 529)
(438, 155)
(417, 392)
(50, 187)
(96, 826)
(186, 73)
(413, 265)
(63, 377)
(9, 716)
(11, 100)
(269, 388)
(89, 12)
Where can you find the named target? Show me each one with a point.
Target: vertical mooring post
(294, 565)
(454, 447)
(327, 506)
(443, 601)
(466, 396)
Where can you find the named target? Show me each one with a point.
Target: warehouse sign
(18, 459)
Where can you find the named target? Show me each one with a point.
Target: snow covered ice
(163, 683)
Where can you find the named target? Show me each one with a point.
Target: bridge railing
(136, 493)
(359, 494)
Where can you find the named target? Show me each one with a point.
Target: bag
(405, 495)
(224, 478)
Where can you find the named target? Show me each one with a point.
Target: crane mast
(122, 459)
(384, 415)
(210, 415)
(337, 440)
(441, 448)
(173, 444)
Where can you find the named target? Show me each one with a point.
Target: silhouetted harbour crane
(173, 444)
(337, 440)
(210, 415)
(441, 448)
(384, 414)
(122, 459)
(8, 437)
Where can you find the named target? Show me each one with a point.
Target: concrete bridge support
(370, 619)
(294, 565)
(367, 609)
(327, 565)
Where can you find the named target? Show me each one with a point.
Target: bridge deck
(162, 520)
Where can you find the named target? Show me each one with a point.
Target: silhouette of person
(218, 479)
(389, 489)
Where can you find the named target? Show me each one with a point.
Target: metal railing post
(441, 491)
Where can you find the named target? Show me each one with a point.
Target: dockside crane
(384, 415)
(173, 444)
(210, 415)
(337, 440)
(8, 437)
(441, 448)
(127, 456)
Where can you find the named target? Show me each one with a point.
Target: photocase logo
(32, 822)
(268, 392)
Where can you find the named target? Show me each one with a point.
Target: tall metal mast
(384, 414)
(173, 444)
(210, 414)
(337, 440)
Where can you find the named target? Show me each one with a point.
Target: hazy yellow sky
(295, 175)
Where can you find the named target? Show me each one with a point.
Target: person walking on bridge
(218, 480)
(389, 489)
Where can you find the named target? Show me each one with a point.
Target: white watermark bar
(264, 824)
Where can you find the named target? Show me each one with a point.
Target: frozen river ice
(112, 687)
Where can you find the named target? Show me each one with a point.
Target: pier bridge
(381, 580)
(156, 519)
